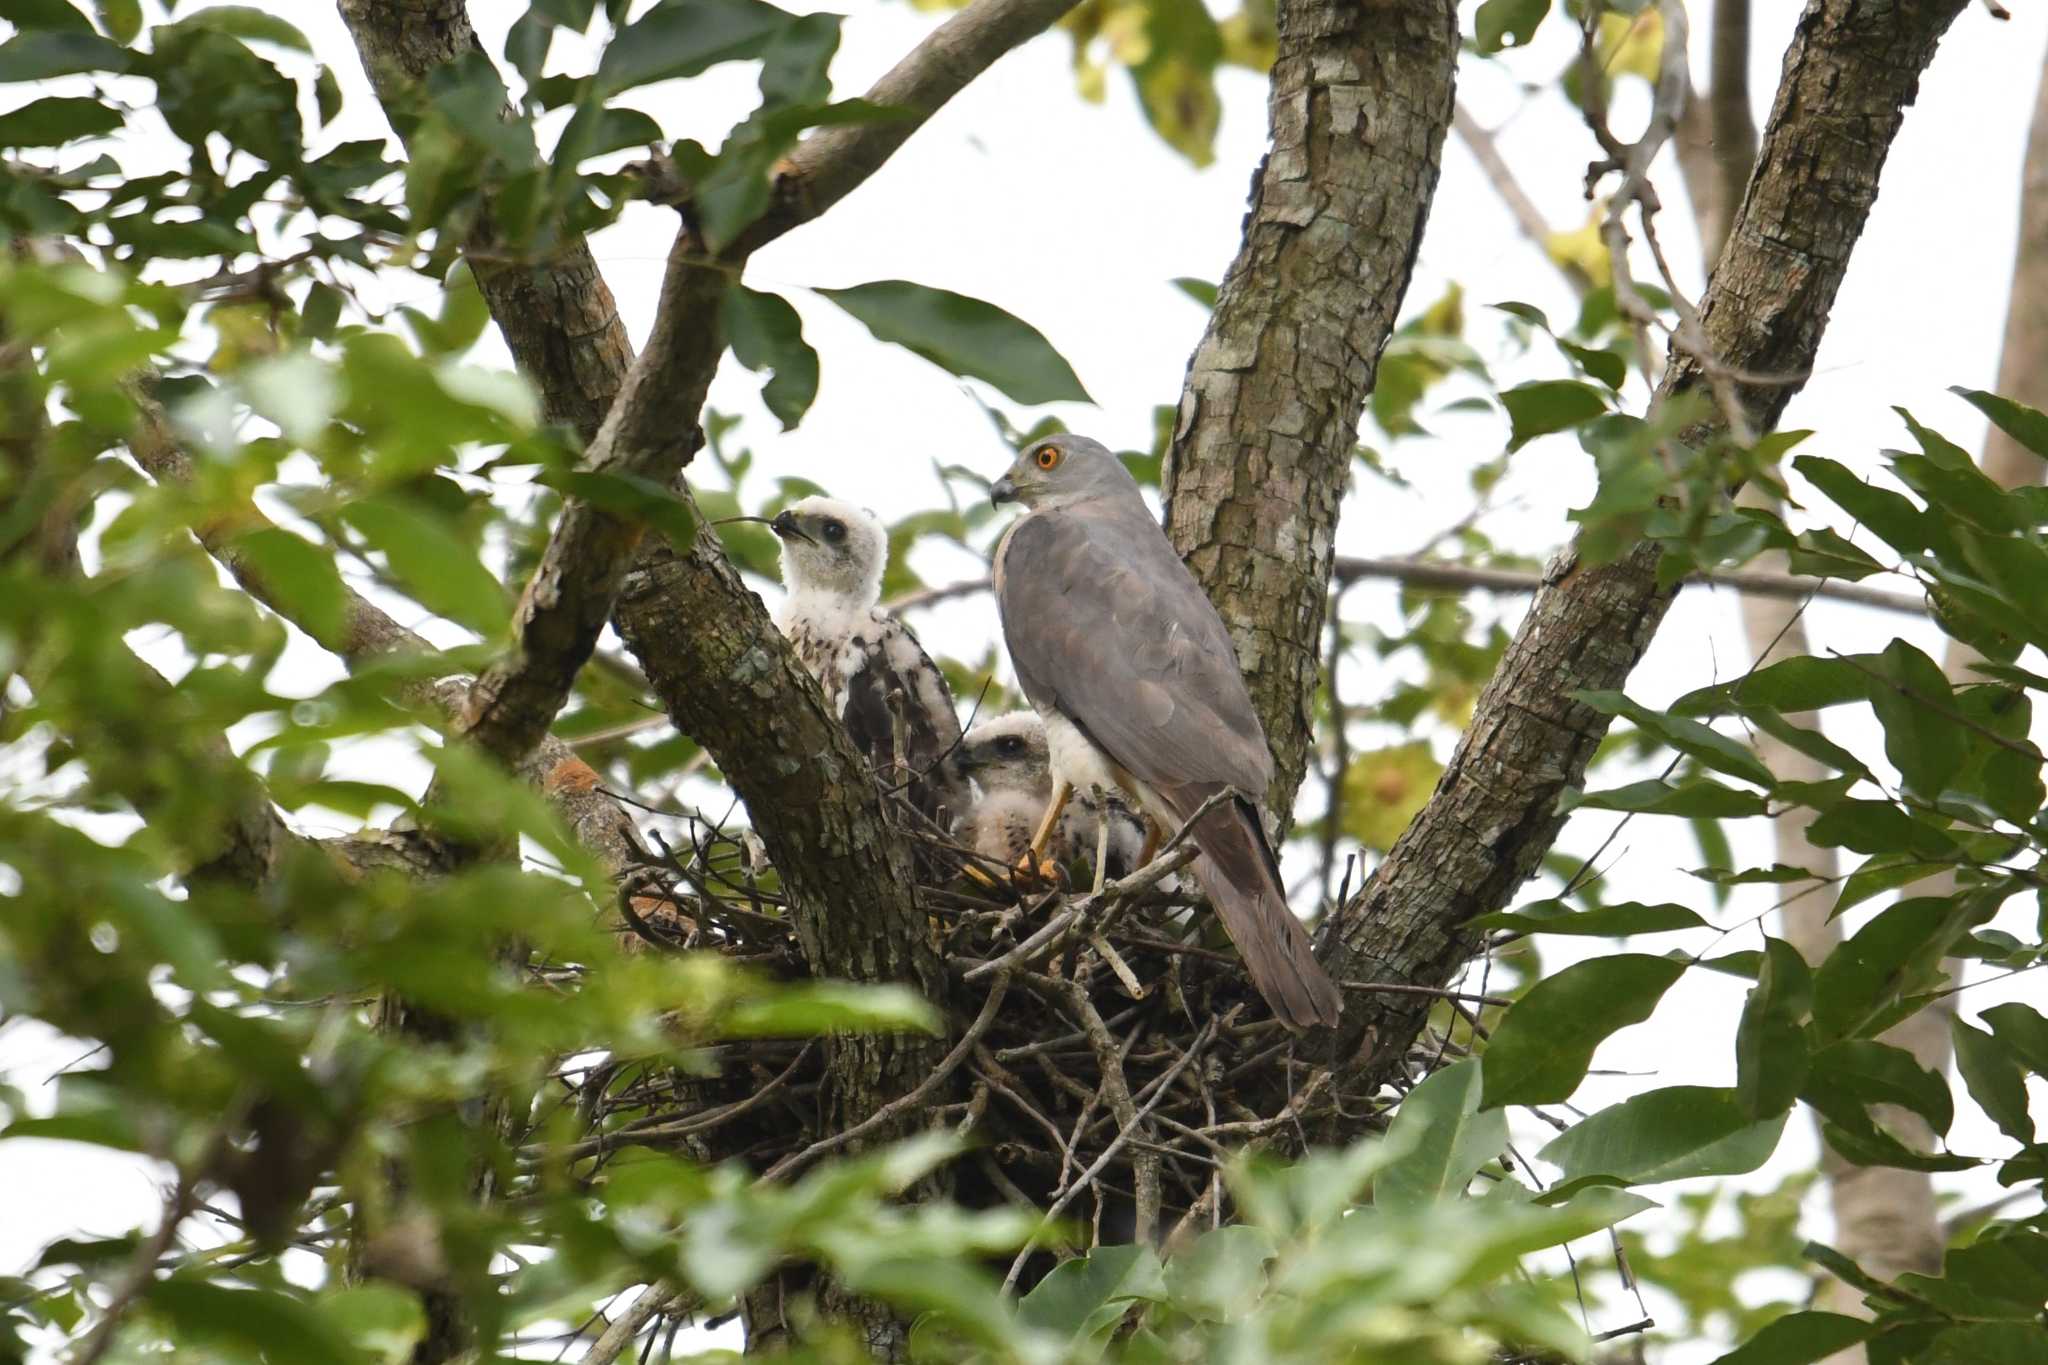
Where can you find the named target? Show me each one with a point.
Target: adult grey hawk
(892, 699)
(1134, 674)
(1007, 761)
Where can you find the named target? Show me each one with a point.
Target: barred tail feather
(1238, 871)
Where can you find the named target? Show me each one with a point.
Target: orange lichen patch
(570, 776)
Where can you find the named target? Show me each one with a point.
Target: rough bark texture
(742, 694)
(1849, 73)
(1261, 452)
(649, 434)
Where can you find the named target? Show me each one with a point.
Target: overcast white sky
(1075, 217)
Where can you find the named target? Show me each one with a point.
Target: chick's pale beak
(785, 526)
(1001, 491)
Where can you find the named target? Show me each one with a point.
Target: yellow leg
(1154, 836)
(1101, 848)
(1053, 809)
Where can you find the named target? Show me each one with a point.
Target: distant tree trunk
(1262, 449)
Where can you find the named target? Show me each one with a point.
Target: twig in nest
(1130, 1131)
(924, 1090)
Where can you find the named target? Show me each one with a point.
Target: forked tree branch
(1849, 73)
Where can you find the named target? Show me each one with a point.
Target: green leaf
(631, 497)
(1689, 737)
(681, 38)
(1800, 1339)
(1790, 685)
(768, 337)
(1770, 1041)
(1612, 921)
(1696, 798)
(53, 122)
(817, 1007)
(121, 18)
(966, 336)
(1992, 1071)
(1917, 710)
(1450, 1137)
(1878, 827)
(1898, 952)
(1508, 23)
(247, 23)
(1222, 1274)
(300, 577)
(275, 1325)
(1892, 516)
(1987, 1343)
(431, 562)
(462, 318)
(47, 14)
(1542, 1047)
(2024, 424)
(1883, 872)
(2022, 1029)
(1848, 1077)
(1201, 291)
(1669, 1134)
(1088, 1295)
(1824, 554)
(1547, 405)
(39, 54)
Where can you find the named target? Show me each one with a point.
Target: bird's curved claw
(1030, 868)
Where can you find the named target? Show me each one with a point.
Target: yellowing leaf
(1631, 47)
(1129, 35)
(1445, 317)
(1383, 790)
(245, 333)
(1582, 246)
(1249, 41)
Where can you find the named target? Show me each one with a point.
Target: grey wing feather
(1106, 624)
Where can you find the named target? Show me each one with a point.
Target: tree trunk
(1261, 453)
(1849, 74)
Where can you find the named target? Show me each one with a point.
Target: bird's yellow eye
(1046, 457)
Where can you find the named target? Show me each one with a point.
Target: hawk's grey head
(1061, 470)
(832, 546)
(1007, 754)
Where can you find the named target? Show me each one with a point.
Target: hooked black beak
(1001, 491)
(785, 526)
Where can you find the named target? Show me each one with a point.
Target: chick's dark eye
(1009, 746)
(835, 530)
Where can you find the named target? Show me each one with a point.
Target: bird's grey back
(1105, 623)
